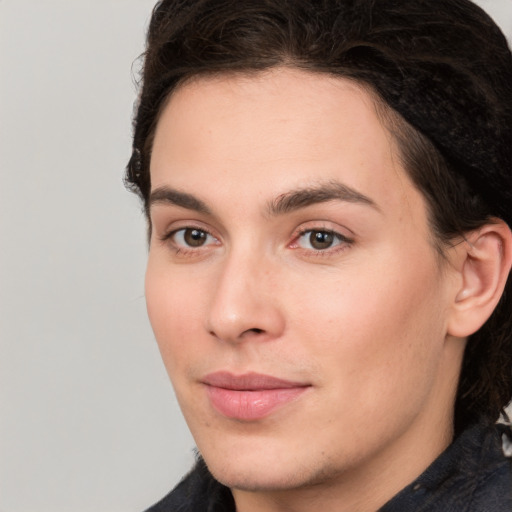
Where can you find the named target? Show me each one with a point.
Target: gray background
(88, 421)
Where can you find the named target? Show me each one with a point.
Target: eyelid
(167, 230)
(343, 240)
(339, 236)
(323, 225)
(168, 238)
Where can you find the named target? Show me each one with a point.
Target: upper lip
(248, 381)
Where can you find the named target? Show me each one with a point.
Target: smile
(251, 396)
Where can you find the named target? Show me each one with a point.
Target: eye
(191, 238)
(320, 239)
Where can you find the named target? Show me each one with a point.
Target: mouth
(251, 396)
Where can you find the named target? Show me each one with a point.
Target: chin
(254, 479)
(257, 468)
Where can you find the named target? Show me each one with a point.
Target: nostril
(254, 330)
(237, 337)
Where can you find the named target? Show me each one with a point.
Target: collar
(472, 475)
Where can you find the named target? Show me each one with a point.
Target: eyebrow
(166, 195)
(285, 203)
(322, 193)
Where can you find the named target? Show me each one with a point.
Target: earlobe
(485, 259)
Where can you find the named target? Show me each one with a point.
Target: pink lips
(250, 396)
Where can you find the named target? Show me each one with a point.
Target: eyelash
(342, 244)
(181, 249)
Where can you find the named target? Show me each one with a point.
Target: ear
(483, 262)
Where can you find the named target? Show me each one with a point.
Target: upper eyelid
(172, 232)
(324, 225)
(169, 231)
(322, 230)
(168, 240)
(341, 232)
(340, 236)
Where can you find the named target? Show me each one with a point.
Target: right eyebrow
(167, 195)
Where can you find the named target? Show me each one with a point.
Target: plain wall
(88, 420)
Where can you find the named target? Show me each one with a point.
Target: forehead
(280, 108)
(263, 134)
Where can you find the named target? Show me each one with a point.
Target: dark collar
(471, 475)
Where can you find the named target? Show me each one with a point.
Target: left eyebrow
(322, 193)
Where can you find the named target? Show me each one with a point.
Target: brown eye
(194, 237)
(321, 239)
(191, 238)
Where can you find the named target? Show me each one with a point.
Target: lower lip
(251, 405)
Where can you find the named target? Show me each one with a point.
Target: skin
(364, 323)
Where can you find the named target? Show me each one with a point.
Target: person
(328, 191)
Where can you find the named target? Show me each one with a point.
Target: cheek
(373, 322)
(173, 309)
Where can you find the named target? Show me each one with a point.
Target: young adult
(328, 189)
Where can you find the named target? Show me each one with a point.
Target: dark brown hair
(441, 68)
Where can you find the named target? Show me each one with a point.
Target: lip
(251, 396)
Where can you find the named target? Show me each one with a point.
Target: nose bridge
(244, 301)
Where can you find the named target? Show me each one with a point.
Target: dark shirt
(472, 475)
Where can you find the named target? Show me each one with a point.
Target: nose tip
(247, 322)
(244, 306)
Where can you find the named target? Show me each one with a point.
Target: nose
(245, 302)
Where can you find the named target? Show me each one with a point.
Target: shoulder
(474, 474)
(493, 492)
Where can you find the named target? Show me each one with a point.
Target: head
(441, 98)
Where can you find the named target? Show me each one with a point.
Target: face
(292, 285)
